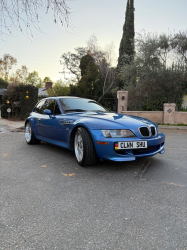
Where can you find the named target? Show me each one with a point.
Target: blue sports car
(85, 127)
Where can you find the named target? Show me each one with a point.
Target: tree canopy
(158, 72)
(70, 62)
(20, 76)
(75, 66)
(34, 79)
(47, 79)
(3, 84)
(6, 64)
(90, 76)
(60, 88)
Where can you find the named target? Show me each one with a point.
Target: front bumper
(108, 152)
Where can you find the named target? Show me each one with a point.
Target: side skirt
(54, 142)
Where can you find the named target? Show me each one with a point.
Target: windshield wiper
(75, 110)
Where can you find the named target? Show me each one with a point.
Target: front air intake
(153, 131)
(144, 131)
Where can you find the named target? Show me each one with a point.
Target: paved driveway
(48, 202)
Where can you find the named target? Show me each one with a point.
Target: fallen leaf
(72, 174)
(44, 166)
(5, 155)
(69, 174)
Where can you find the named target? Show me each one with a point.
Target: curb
(21, 129)
(172, 127)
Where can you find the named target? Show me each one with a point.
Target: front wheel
(84, 148)
(29, 134)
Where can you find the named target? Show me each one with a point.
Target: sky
(104, 18)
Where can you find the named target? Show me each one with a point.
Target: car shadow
(141, 168)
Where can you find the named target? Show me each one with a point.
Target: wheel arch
(27, 120)
(32, 121)
(73, 135)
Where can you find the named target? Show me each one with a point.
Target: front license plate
(131, 145)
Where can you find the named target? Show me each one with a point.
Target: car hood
(100, 120)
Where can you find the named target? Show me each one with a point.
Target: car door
(38, 114)
(64, 128)
(47, 126)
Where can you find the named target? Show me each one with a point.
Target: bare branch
(24, 15)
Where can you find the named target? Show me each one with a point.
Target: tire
(84, 148)
(29, 134)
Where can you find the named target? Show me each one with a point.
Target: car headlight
(158, 131)
(117, 133)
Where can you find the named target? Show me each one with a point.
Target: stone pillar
(169, 113)
(122, 100)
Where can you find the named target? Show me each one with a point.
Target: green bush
(3, 84)
(183, 110)
(4, 113)
(22, 99)
(27, 104)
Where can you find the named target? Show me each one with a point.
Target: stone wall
(181, 117)
(168, 115)
(155, 116)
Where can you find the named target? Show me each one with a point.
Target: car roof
(56, 97)
(63, 97)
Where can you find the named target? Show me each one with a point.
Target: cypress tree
(127, 41)
(131, 29)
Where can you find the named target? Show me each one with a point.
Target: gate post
(169, 113)
(122, 97)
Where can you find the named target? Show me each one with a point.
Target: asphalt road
(49, 202)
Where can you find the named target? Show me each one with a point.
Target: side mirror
(48, 112)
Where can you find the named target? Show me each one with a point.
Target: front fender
(32, 121)
(72, 134)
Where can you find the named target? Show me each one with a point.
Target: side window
(53, 106)
(57, 110)
(39, 108)
(50, 104)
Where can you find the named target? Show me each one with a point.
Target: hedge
(4, 113)
(25, 95)
(28, 100)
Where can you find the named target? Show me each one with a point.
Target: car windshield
(80, 105)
